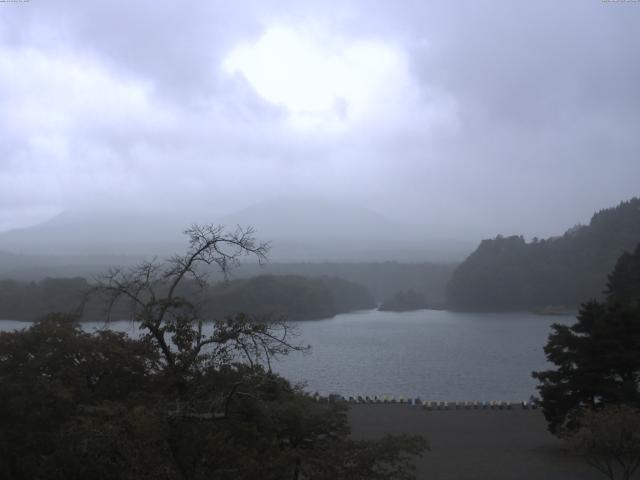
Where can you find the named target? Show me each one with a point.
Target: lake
(436, 355)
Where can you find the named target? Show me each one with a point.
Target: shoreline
(540, 312)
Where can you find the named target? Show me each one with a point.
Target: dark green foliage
(404, 301)
(624, 282)
(382, 279)
(75, 405)
(598, 358)
(29, 301)
(291, 296)
(49, 373)
(508, 273)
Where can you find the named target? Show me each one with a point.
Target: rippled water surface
(436, 355)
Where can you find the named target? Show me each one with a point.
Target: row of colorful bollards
(427, 405)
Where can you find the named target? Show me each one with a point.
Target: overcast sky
(465, 116)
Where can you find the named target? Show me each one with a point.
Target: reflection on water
(436, 355)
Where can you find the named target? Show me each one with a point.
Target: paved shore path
(476, 444)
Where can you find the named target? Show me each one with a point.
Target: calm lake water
(437, 355)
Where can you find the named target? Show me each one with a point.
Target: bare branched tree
(165, 297)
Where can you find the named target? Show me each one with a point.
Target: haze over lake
(437, 355)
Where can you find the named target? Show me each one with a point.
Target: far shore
(539, 312)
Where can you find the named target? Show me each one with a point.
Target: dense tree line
(508, 273)
(405, 301)
(33, 300)
(291, 296)
(382, 279)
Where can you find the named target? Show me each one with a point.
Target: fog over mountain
(298, 228)
(458, 120)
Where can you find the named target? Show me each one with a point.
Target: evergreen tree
(598, 358)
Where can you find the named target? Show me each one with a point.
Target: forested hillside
(34, 300)
(290, 296)
(295, 297)
(404, 301)
(508, 273)
(382, 279)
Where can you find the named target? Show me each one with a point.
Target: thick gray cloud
(470, 117)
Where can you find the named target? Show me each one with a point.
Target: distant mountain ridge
(100, 233)
(508, 273)
(300, 229)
